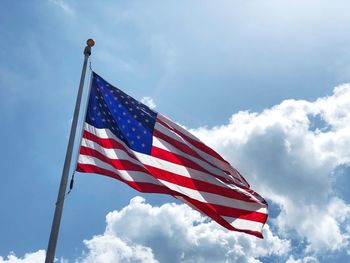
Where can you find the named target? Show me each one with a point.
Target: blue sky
(254, 79)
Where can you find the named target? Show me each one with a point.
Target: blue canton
(130, 120)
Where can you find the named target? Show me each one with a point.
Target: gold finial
(90, 42)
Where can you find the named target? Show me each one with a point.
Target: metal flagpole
(51, 248)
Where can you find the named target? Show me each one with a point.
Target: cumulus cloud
(149, 102)
(141, 232)
(109, 248)
(289, 153)
(34, 257)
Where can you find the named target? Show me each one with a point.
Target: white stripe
(244, 224)
(215, 199)
(154, 162)
(181, 171)
(237, 223)
(114, 153)
(203, 176)
(159, 163)
(177, 127)
(211, 159)
(130, 176)
(160, 143)
(134, 176)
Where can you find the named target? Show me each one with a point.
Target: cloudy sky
(264, 82)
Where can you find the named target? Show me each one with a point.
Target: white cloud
(109, 248)
(35, 257)
(149, 102)
(289, 154)
(303, 260)
(175, 233)
(64, 6)
(291, 163)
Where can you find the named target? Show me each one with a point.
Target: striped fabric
(128, 141)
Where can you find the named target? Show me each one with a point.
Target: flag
(125, 139)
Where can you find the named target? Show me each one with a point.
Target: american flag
(125, 139)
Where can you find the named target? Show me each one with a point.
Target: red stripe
(157, 152)
(195, 143)
(209, 210)
(164, 155)
(212, 210)
(209, 151)
(178, 159)
(200, 185)
(185, 148)
(107, 143)
(116, 163)
(167, 176)
(139, 186)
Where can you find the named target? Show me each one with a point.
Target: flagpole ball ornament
(90, 42)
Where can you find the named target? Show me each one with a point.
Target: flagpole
(51, 248)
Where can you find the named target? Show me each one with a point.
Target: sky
(266, 83)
